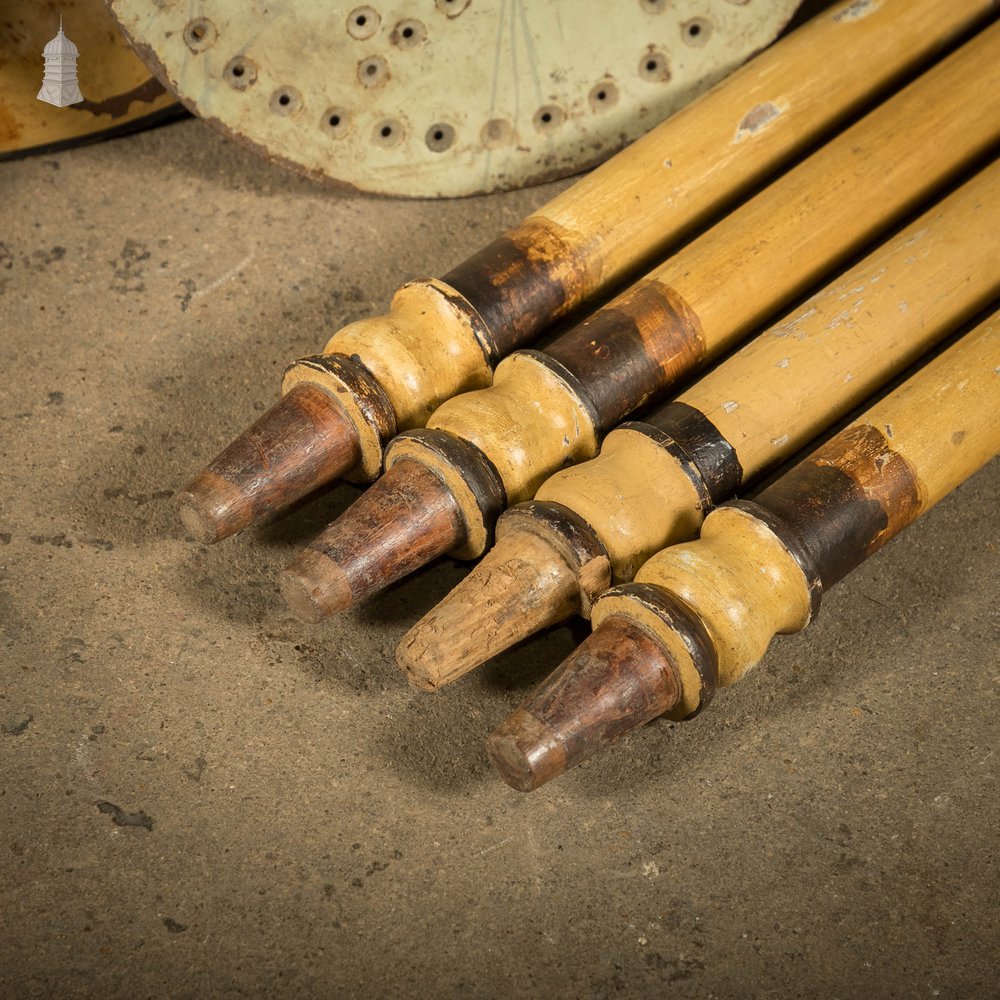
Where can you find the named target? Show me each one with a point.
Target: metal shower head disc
(443, 97)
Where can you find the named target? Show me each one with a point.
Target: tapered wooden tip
(305, 440)
(619, 678)
(400, 524)
(521, 586)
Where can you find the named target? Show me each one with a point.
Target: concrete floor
(299, 821)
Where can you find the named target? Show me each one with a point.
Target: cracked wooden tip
(400, 524)
(303, 441)
(620, 677)
(521, 586)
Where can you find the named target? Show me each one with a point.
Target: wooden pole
(494, 447)
(389, 373)
(709, 608)
(593, 525)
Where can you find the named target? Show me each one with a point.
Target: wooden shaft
(441, 338)
(712, 606)
(861, 489)
(494, 447)
(745, 125)
(547, 410)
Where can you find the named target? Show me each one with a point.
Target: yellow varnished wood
(531, 423)
(527, 423)
(687, 166)
(942, 114)
(795, 379)
(634, 495)
(422, 353)
(738, 577)
(945, 421)
(784, 387)
(740, 581)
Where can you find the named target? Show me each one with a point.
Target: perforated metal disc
(443, 97)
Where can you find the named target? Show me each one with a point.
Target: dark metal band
(713, 454)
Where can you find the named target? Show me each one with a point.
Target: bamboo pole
(593, 525)
(701, 614)
(494, 447)
(441, 337)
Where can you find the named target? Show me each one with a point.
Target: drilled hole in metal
(363, 22)
(286, 101)
(603, 95)
(654, 67)
(373, 71)
(200, 34)
(696, 32)
(240, 73)
(439, 137)
(335, 122)
(388, 133)
(408, 34)
(549, 118)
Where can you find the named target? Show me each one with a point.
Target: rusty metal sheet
(119, 91)
(443, 97)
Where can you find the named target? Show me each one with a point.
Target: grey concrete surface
(297, 821)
